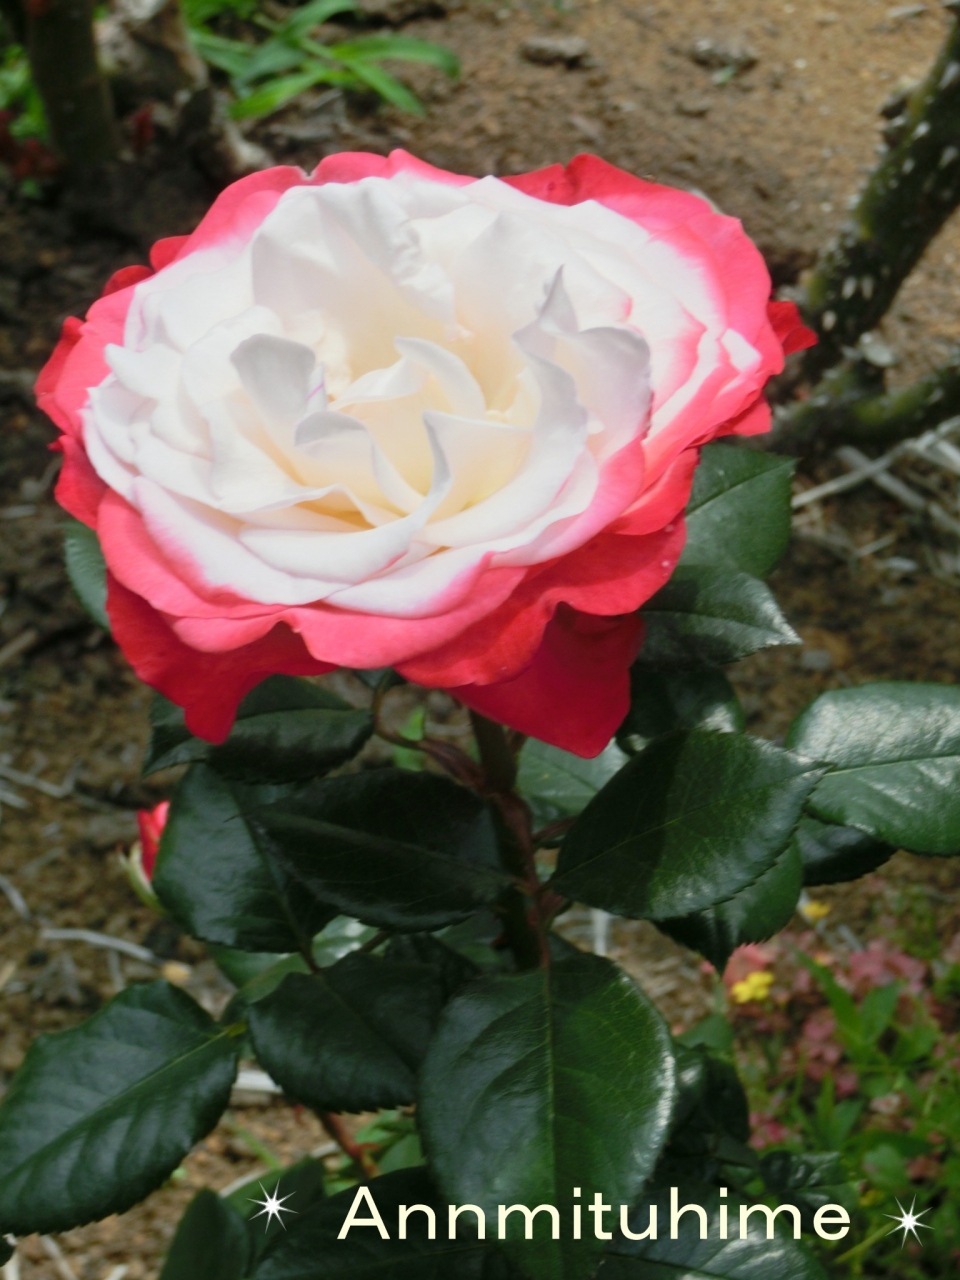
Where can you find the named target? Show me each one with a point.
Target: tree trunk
(63, 58)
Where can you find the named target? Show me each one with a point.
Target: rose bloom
(386, 415)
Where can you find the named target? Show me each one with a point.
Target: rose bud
(386, 415)
(142, 857)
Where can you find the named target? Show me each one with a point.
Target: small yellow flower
(756, 986)
(814, 910)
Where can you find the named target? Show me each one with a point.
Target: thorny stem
(358, 1152)
(907, 199)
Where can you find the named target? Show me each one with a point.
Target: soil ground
(783, 145)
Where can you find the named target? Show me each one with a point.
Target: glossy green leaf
(287, 730)
(894, 752)
(87, 570)
(690, 1258)
(707, 617)
(397, 850)
(834, 855)
(809, 1179)
(691, 821)
(710, 1123)
(211, 1242)
(539, 1082)
(738, 516)
(661, 701)
(752, 915)
(310, 1248)
(100, 1115)
(218, 880)
(557, 784)
(351, 1037)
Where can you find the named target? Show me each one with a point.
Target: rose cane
(386, 415)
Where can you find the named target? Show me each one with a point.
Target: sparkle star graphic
(907, 1221)
(273, 1206)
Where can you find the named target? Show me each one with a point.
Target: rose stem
(355, 1151)
(523, 919)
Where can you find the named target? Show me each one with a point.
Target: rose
(390, 416)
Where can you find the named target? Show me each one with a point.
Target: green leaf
(257, 973)
(707, 617)
(211, 1242)
(713, 1032)
(557, 784)
(310, 1248)
(405, 48)
(661, 701)
(267, 59)
(710, 1096)
(752, 915)
(287, 730)
(834, 855)
(894, 752)
(538, 1082)
(231, 56)
(387, 86)
(451, 968)
(307, 16)
(738, 516)
(690, 1258)
(100, 1115)
(351, 1037)
(842, 1003)
(808, 1179)
(397, 850)
(691, 821)
(218, 880)
(710, 1122)
(277, 93)
(241, 967)
(87, 570)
